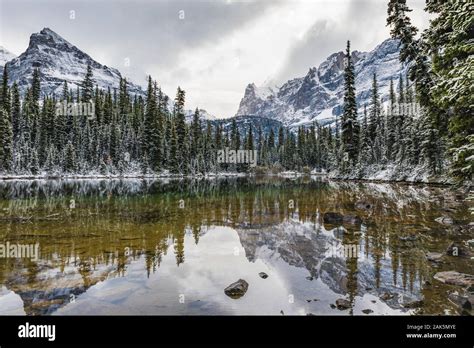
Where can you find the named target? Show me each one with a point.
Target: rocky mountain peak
(59, 61)
(318, 96)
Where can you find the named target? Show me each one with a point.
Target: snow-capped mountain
(318, 96)
(59, 61)
(203, 115)
(5, 56)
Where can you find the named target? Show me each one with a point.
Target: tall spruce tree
(350, 126)
(87, 86)
(6, 142)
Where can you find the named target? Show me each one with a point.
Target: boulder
(367, 311)
(364, 205)
(237, 290)
(332, 218)
(464, 302)
(386, 296)
(470, 243)
(413, 304)
(342, 304)
(263, 275)
(336, 219)
(434, 257)
(445, 220)
(455, 278)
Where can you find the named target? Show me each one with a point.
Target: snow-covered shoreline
(376, 177)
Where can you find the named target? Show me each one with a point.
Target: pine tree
(401, 28)
(350, 127)
(174, 152)
(449, 41)
(195, 134)
(149, 149)
(391, 135)
(6, 142)
(16, 111)
(70, 165)
(374, 127)
(181, 132)
(87, 86)
(5, 92)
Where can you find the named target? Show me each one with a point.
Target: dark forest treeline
(135, 134)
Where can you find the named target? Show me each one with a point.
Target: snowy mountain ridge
(59, 61)
(318, 96)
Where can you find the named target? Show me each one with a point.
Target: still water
(171, 247)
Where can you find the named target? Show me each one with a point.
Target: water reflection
(154, 247)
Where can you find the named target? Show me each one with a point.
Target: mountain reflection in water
(171, 247)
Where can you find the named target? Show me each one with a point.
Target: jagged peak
(48, 37)
(252, 86)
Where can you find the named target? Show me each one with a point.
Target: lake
(171, 247)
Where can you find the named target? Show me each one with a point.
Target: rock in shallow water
(342, 304)
(445, 220)
(332, 218)
(434, 257)
(464, 302)
(363, 205)
(455, 278)
(237, 290)
(336, 218)
(386, 296)
(413, 304)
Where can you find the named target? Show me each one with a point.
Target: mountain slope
(60, 61)
(318, 96)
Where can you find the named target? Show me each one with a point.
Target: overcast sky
(211, 48)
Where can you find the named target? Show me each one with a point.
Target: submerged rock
(413, 304)
(434, 257)
(445, 220)
(363, 205)
(332, 218)
(336, 218)
(455, 278)
(263, 275)
(470, 243)
(464, 302)
(237, 290)
(386, 296)
(342, 304)
(409, 238)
